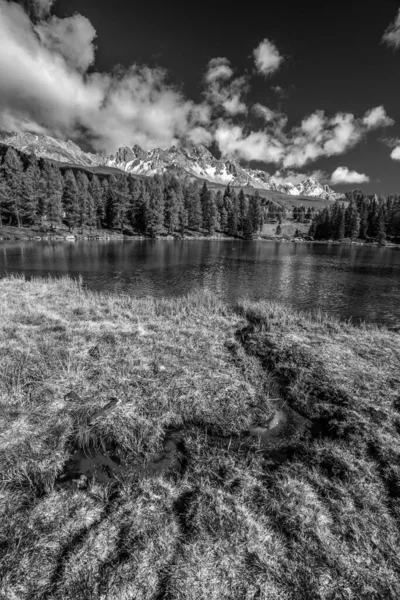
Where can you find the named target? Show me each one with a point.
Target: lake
(353, 282)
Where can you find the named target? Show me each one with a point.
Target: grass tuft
(315, 516)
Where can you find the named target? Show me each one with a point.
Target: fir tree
(120, 202)
(173, 200)
(70, 200)
(97, 193)
(342, 224)
(155, 207)
(254, 213)
(12, 170)
(233, 216)
(31, 190)
(242, 210)
(52, 182)
(381, 229)
(192, 204)
(82, 183)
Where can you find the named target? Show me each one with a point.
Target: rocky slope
(196, 161)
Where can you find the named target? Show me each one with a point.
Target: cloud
(44, 88)
(222, 91)
(70, 37)
(391, 37)
(47, 87)
(390, 142)
(256, 145)
(288, 176)
(342, 175)
(38, 9)
(267, 58)
(275, 117)
(377, 117)
(395, 154)
(218, 68)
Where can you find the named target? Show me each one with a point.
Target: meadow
(313, 512)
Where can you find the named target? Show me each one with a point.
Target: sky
(297, 89)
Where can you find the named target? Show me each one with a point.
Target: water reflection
(353, 282)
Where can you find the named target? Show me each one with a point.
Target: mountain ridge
(196, 161)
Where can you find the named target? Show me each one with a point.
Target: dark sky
(334, 59)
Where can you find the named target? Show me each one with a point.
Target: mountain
(196, 161)
(51, 148)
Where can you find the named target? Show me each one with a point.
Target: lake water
(357, 282)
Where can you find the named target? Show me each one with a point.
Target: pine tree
(242, 210)
(120, 202)
(364, 220)
(97, 192)
(106, 215)
(192, 204)
(173, 200)
(381, 230)
(342, 224)
(4, 197)
(52, 190)
(209, 209)
(82, 183)
(31, 190)
(233, 216)
(254, 213)
(12, 170)
(279, 229)
(155, 207)
(70, 200)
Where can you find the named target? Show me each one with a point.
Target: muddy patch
(277, 440)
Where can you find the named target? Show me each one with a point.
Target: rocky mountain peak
(196, 161)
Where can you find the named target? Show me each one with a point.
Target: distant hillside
(195, 161)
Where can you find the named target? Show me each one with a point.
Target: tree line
(36, 192)
(366, 217)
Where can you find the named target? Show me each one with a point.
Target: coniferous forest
(366, 217)
(36, 192)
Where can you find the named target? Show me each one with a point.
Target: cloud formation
(377, 117)
(267, 58)
(395, 153)
(222, 91)
(391, 37)
(47, 87)
(342, 175)
(72, 38)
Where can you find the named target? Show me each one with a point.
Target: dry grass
(323, 525)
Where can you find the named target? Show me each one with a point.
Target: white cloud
(46, 88)
(220, 93)
(256, 145)
(377, 117)
(395, 154)
(391, 37)
(218, 68)
(274, 117)
(342, 175)
(71, 37)
(267, 58)
(288, 176)
(43, 88)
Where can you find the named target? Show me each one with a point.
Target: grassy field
(313, 512)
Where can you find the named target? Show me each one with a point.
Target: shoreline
(14, 234)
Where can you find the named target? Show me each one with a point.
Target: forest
(371, 218)
(37, 193)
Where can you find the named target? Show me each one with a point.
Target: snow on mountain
(51, 148)
(195, 160)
